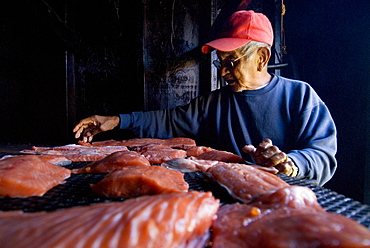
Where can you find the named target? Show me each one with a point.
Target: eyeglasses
(229, 63)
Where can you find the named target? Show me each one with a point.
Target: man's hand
(93, 125)
(269, 155)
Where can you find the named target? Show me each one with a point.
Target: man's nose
(224, 70)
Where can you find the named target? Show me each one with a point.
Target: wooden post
(172, 33)
(70, 78)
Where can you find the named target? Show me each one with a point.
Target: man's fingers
(284, 168)
(288, 168)
(87, 128)
(85, 123)
(294, 170)
(270, 156)
(88, 139)
(270, 151)
(265, 143)
(249, 149)
(264, 157)
(76, 128)
(79, 126)
(263, 146)
(276, 159)
(80, 130)
(78, 133)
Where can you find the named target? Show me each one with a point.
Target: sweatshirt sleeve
(179, 121)
(315, 158)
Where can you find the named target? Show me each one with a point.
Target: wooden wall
(66, 60)
(172, 34)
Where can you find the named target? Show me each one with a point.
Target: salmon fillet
(77, 153)
(194, 151)
(179, 142)
(297, 197)
(55, 159)
(162, 221)
(28, 175)
(114, 161)
(188, 165)
(157, 154)
(244, 181)
(141, 142)
(222, 156)
(288, 217)
(108, 143)
(141, 180)
(85, 157)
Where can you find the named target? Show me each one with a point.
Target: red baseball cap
(242, 27)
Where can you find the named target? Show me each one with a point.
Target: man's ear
(264, 55)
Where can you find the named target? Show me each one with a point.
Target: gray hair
(251, 46)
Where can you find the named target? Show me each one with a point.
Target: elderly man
(255, 108)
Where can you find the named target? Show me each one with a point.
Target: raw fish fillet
(55, 159)
(86, 157)
(77, 153)
(197, 150)
(188, 165)
(141, 180)
(297, 197)
(157, 154)
(289, 217)
(271, 169)
(82, 143)
(202, 153)
(28, 175)
(243, 181)
(179, 142)
(141, 142)
(108, 143)
(222, 156)
(177, 220)
(101, 143)
(114, 161)
(106, 150)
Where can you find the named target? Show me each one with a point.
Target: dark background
(328, 46)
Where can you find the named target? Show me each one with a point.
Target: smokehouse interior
(63, 61)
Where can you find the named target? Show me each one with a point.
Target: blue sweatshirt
(289, 112)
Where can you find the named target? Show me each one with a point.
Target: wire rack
(77, 192)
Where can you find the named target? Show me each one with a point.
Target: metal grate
(76, 192)
(333, 202)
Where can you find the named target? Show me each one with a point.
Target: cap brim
(224, 44)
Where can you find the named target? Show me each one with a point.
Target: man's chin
(235, 87)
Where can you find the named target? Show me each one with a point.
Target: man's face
(238, 70)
